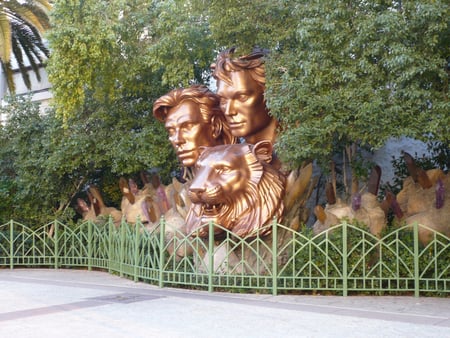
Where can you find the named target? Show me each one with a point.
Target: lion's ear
(263, 151)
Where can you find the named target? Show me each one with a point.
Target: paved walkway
(74, 303)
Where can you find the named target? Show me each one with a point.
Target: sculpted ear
(263, 151)
(201, 149)
(144, 177)
(94, 203)
(123, 184)
(216, 125)
(81, 206)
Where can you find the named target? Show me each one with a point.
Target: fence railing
(344, 259)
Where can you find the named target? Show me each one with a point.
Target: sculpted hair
(208, 103)
(253, 63)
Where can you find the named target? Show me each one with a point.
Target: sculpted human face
(187, 131)
(243, 104)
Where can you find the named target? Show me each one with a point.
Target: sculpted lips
(184, 153)
(235, 124)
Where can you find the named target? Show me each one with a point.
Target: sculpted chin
(235, 186)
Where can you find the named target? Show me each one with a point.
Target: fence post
(416, 259)
(210, 256)
(11, 244)
(122, 250)
(56, 240)
(137, 231)
(89, 245)
(274, 257)
(162, 225)
(110, 243)
(344, 260)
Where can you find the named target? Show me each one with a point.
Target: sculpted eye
(223, 103)
(171, 131)
(242, 97)
(188, 125)
(222, 169)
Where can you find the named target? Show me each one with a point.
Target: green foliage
(249, 23)
(105, 56)
(359, 72)
(32, 186)
(84, 51)
(179, 42)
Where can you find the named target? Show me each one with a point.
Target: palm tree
(22, 23)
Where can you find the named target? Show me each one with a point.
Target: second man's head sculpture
(241, 85)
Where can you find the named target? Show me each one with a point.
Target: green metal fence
(345, 259)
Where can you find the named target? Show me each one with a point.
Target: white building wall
(394, 147)
(40, 90)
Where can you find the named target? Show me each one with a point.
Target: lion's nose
(197, 191)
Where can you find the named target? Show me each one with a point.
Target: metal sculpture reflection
(240, 84)
(138, 203)
(193, 118)
(424, 199)
(96, 210)
(236, 187)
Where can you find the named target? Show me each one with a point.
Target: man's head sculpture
(241, 84)
(235, 186)
(193, 118)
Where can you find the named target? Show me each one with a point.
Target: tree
(360, 73)
(33, 188)
(246, 24)
(22, 24)
(104, 55)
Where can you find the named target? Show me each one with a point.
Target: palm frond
(5, 38)
(8, 71)
(21, 27)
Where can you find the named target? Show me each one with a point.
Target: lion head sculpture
(236, 187)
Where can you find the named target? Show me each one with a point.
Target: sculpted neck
(268, 133)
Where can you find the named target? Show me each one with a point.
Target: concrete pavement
(77, 303)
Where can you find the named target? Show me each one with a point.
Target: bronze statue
(424, 199)
(193, 118)
(241, 84)
(138, 203)
(236, 187)
(97, 209)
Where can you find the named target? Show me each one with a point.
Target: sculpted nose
(177, 138)
(195, 193)
(229, 109)
(197, 190)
